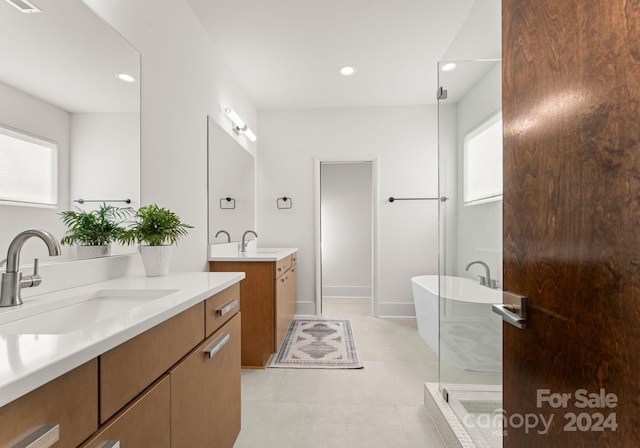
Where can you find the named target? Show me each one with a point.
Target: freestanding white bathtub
(461, 298)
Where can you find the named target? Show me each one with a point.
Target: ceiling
(69, 57)
(286, 53)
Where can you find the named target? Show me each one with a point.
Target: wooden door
(571, 110)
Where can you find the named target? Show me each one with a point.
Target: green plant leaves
(95, 228)
(155, 226)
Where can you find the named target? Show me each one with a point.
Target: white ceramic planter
(156, 259)
(93, 251)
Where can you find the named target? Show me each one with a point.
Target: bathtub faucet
(486, 279)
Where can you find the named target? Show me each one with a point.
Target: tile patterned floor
(380, 406)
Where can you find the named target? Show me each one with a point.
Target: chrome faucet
(226, 233)
(12, 280)
(245, 242)
(486, 279)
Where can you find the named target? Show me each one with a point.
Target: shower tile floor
(380, 406)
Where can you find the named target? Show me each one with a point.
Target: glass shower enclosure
(470, 246)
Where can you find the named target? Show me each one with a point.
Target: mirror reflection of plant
(99, 227)
(155, 226)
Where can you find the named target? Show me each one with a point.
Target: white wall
(32, 115)
(183, 81)
(232, 174)
(480, 36)
(479, 232)
(405, 141)
(347, 229)
(105, 159)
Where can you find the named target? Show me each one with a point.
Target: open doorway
(346, 232)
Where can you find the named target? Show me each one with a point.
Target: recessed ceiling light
(448, 67)
(24, 6)
(125, 77)
(347, 70)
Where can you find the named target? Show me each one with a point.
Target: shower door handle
(513, 310)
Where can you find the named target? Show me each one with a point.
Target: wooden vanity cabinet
(70, 402)
(196, 401)
(269, 293)
(159, 389)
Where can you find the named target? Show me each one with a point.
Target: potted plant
(156, 229)
(94, 231)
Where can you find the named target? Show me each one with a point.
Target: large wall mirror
(231, 178)
(70, 80)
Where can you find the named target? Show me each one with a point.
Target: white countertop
(224, 252)
(29, 360)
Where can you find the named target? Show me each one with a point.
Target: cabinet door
(286, 298)
(205, 392)
(292, 291)
(144, 423)
(66, 408)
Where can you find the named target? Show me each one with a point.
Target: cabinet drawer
(205, 392)
(70, 401)
(294, 258)
(146, 422)
(221, 307)
(129, 368)
(283, 265)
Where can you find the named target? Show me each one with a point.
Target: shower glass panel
(470, 277)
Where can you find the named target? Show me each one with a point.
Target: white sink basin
(82, 311)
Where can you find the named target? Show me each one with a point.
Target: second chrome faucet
(245, 242)
(486, 279)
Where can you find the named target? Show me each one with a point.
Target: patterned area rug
(318, 344)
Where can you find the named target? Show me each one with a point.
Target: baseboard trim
(396, 309)
(305, 309)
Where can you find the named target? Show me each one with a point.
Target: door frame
(318, 161)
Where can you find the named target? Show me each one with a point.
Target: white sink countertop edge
(259, 254)
(28, 361)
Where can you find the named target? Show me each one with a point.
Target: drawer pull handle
(280, 268)
(227, 307)
(217, 345)
(43, 437)
(111, 444)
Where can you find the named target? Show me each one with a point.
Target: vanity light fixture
(125, 77)
(239, 125)
(24, 6)
(347, 70)
(448, 67)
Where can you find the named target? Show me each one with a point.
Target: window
(28, 169)
(483, 162)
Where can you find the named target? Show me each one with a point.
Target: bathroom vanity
(269, 294)
(138, 362)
